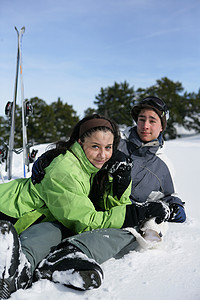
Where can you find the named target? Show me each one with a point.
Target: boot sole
(80, 280)
(8, 268)
(4, 289)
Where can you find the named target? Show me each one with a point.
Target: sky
(72, 49)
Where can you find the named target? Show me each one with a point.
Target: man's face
(148, 125)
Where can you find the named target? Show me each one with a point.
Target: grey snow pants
(100, 244)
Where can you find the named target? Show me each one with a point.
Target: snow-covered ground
(169, 271)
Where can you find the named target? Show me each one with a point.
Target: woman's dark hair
(62, 146)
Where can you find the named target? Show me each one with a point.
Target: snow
(171, 270)
(69, 277)
(6, 242)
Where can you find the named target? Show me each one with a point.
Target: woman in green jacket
(64, 199)
(63, 194)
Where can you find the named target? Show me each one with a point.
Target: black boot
(69, 266)
(14, 267)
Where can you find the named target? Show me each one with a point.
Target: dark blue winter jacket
(150, 174)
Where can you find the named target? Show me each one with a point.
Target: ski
(10, 112)
(24, 108)
(26, 112)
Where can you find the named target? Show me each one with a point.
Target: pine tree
(115, 102)
(64, 119)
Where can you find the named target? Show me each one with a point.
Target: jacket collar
(135, 142)
(78, 152)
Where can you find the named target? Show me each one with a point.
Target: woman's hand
(119, 166)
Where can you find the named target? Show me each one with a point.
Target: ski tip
(22, 29)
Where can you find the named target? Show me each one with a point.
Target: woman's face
(148, 125)
(98, 147)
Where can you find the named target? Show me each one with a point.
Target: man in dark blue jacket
(151, 178)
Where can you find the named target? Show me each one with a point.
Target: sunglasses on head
(155, 102)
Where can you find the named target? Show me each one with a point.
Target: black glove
(119, 166)
(177, 213)
(38, 169)
(136, 214)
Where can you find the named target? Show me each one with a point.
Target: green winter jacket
(63, 195)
